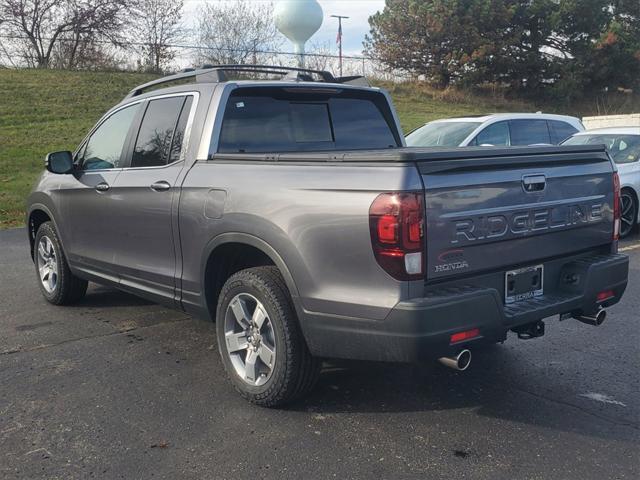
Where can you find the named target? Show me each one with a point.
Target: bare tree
(42, 26)
(237, 32)
(158, 24)
(319, 56)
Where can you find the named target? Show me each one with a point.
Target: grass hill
(47, 110)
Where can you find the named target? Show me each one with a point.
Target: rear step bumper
(420, 329)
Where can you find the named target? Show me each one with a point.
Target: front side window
(529, 132)
(496, 134)
(104, 148)
(154, 142)
(441, 134)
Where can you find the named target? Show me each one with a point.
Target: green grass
(46, 110)
(43, 111)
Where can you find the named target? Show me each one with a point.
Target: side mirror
(59, 162)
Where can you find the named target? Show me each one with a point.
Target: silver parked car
(623, 144)
(498, 129)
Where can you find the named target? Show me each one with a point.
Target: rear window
(263, 120)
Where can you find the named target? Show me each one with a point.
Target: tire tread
(301, 369)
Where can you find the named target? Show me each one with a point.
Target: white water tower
(298, 20)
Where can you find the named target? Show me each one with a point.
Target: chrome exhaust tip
(595, 320)
(460, 362)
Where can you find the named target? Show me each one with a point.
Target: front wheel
(57, 284)
(259, 339)
(629, 212)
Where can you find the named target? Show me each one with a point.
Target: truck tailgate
(512, 208)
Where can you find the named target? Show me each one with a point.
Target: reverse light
(617, 213)
(466, 335)
(396, 222)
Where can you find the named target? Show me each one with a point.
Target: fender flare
(41, 206)
(256, 242)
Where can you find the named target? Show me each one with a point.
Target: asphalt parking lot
(117, 387)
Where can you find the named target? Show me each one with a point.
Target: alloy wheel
(629, 214)
(250, 339)
(47, 264)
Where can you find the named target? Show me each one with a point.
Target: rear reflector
(466, 335)
(605, 295)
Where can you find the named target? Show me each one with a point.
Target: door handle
(160, 186)
(102, 187)
(534, 183)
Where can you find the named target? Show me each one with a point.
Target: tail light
(617, 214)
(396, 222)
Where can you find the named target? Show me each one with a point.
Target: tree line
(565, 48)
(559, 47)
(100, 34)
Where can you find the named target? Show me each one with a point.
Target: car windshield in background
(441, 134)
(623, 148)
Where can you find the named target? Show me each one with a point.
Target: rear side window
(278, 120)
(560, 131)
(178, 136)
(496, 134)
(529, 132)
(156, 144)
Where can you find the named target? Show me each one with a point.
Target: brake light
(396, 222)
(617, 214)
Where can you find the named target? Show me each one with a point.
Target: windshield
(623, 148)
(445, 134)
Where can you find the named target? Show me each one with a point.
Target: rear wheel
(259, 339)
(57, 284)
(629, 212)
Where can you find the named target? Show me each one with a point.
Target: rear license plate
(523, 284)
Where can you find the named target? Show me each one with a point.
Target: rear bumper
(421, 328)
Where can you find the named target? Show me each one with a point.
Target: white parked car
(498, 129)
(624, 146)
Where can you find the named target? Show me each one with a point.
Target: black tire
(68, 288)
(295, 372)
(629, 206)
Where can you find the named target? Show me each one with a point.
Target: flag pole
(339, 38)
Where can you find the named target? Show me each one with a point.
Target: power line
(193, 47)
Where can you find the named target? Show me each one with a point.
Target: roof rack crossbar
(326, 76)
(208, 75)
(216, 73)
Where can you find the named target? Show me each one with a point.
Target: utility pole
(339, 37)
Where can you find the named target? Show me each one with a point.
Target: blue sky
(354, 29)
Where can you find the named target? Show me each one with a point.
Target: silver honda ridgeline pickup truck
(291, 212)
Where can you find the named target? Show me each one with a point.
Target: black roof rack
(217, 74)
